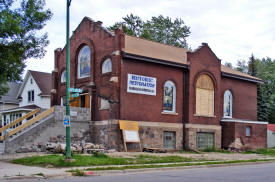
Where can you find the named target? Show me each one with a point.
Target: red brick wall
(244, 98)
(102, 45)
(203, 61)
(141, 107)
(258, 137)
(234, 130)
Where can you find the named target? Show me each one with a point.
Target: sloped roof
(271, 127)
(23, 108)
(152, 49)
(43, 80)
(228, 70)
(156, 50)
(10, 97)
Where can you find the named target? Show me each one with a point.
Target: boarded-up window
(205, 140)
(205, 96)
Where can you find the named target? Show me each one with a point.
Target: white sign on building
(142, 84)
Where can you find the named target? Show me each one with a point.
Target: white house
(33, 93)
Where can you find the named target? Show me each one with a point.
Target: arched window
(227, 104)
(205, 96)
(63, 76)
(107, 66)
(84, 62)
(169, 97)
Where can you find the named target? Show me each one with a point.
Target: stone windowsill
(170, 113)
(206, 116)
(101, 109)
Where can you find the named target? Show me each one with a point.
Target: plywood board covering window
(204, 96)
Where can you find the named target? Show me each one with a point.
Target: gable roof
(42, 79)
(10, 97)
(146, 49)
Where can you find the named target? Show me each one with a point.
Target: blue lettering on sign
(141, 84)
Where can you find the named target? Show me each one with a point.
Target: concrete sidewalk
(8, 170)
(16, 171)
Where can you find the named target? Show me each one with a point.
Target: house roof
(271, 127)
(23, 108)
(43, 80)
(228, 70)
(10, 97)
(151, 49)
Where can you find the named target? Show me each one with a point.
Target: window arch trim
(205, 95)
(85, 71)
(63, 76)
(169, 97)
(109, 69)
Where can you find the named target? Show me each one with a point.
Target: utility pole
(68, 70)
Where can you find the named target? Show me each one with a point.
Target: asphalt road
(249, 173)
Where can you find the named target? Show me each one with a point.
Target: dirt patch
(205, 155)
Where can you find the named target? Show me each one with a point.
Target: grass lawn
(97, 160)
(269, 151)
(167, 165)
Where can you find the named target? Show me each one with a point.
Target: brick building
(180, 99)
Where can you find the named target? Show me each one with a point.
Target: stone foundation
(191, 131)
(151, 134)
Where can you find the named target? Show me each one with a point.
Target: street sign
(76, 90)
(75, 95)
(67, 121)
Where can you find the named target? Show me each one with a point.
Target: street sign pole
(68, 137)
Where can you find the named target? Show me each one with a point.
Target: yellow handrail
(18, 120)
(31, 121)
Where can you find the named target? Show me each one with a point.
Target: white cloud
(234, 29)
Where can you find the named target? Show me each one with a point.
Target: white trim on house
(243, 121)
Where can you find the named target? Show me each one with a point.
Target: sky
(234, 29)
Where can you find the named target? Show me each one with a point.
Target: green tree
(264, 69)
(228, 64)
(242, 66)
(19, 37)
(159, 29)
(252, 67)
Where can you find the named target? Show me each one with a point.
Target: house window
(107, 66)
(169, 140)
(248, 131)
(204, 96)
(31, 80)
(63, 77)
(169, 97)
(227, 104)
(84, 62)
(205, 140)
(104, 104)
(31, 96)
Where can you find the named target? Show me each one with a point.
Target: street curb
(133, 171)
(129, 171)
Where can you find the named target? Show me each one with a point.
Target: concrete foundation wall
(191, 131)
(151, 134)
